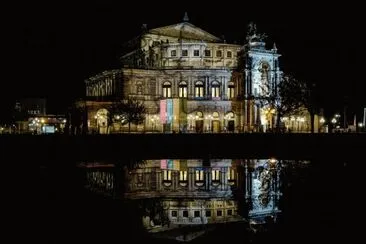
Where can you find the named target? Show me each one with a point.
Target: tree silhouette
(287, 98)
(130, 111)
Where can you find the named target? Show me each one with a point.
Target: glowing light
(322, 120)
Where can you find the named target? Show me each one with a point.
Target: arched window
(215, 89)
(199, 89)
(183, 89)
(230, 90)
(167, 89)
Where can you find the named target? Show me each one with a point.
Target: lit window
(229, 54)
(167, 89)
(219, 53)
(199, 89)
(230, 90)
(183, 89)
(173, 53)
(196, 53)
(208, 53)
(215, 89)
(184, 53)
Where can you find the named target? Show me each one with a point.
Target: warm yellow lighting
(42, 121)
(322, 120)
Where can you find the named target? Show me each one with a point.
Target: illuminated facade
(213, 83)
(196, 192)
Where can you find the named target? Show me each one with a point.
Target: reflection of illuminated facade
(214, 81)
(189, 192)
(262, 188)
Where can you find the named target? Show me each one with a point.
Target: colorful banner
(163, 113)
(170, 164)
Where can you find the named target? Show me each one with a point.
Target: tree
(130, 111)
(287, 98)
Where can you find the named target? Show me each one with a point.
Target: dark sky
(50, 49)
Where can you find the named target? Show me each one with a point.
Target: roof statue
(252, 35)
(185, 18)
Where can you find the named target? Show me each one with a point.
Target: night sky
(50, 49)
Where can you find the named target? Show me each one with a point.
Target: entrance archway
(199, 122)
(101, 118)
(230, 122)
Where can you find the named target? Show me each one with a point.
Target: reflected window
(183, 178)
(231, 176)
(139, 179)
(167, 89)
(183, 89)
(183, 175)
(199, 180)
(215, 176)
(167, 177)
(196, 214)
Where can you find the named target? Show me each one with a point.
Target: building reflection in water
(177, 193)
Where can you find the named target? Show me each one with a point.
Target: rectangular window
(207, 53)
(229, 54)
(196, 214)
(167, 91)
(215, 91)
(174, 213)
(185, 213)
(230, 92)
(219, 53)
(196, 53)
(229, 212)
(185, 53)
(219, 213)
(183, 91)
(208, 213)
(199, 91)
(173, 53)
